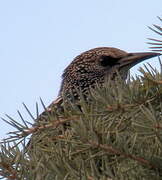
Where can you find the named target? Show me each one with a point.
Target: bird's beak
(134, 58)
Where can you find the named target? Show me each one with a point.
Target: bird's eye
(108, 61)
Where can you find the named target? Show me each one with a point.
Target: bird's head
(98, 64)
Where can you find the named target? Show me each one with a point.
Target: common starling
(95, 66)
(86, 71)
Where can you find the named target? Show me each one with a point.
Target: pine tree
(116, 135)
(157, 43)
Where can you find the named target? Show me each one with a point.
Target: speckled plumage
(86, 69)
(95, 66)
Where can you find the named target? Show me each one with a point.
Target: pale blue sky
(38, 39)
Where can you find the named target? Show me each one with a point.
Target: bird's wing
(55, 105)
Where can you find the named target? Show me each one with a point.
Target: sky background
(39, 38)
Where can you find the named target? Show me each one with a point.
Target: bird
(84, 73)
(94, 67)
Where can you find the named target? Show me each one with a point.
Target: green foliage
(117, 135)
(156, 43)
